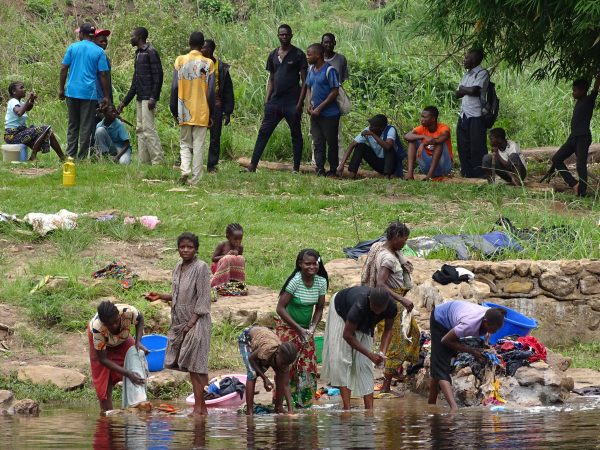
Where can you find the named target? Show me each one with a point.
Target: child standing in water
(189, 335)
(16, 130)
(228, 262)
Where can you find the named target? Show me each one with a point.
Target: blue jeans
(245, 351)
(444, 164)
(105, 146)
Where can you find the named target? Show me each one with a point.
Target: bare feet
(198, 413)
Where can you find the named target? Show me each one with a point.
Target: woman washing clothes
(228, 263)
(189, 335)
(300, 308)
(347, 356)
(449, 322)
(388, 268)
(109, 337)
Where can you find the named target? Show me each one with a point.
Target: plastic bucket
(157, 346)
(14, 152)
(514, 323)
(319, 348)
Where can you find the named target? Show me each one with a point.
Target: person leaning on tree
(580, 138)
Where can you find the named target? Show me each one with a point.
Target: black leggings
(580, 145)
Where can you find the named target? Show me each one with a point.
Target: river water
(395, 424)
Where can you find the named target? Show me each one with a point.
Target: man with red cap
(83, 62)
(101, 39)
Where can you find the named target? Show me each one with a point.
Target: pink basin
(229, 400)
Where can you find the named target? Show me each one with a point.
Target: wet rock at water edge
(6, 397)
(25, 407)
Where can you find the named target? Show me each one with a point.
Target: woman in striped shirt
(300, 308)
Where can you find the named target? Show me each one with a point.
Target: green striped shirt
(301, 307)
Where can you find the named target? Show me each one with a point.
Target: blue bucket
(514, 323)
(157, 346)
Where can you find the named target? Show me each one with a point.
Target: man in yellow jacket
(192, 100)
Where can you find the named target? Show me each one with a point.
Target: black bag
(490, 105)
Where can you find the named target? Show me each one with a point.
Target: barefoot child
(228, 262)
(260, 349)
(16, 130)
(189, 335)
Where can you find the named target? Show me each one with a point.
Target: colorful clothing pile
(231, 289)
(519, 351)
(117, 270)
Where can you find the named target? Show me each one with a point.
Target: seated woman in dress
(228, 262)
(16, 130)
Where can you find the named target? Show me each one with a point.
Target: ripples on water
(395, 424)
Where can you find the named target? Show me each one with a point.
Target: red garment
(507, 346)
(213, 267)
(539, 351)
(102, 374)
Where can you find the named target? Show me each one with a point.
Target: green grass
(584, 355)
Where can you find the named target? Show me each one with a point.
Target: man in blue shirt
(84, 61)
(322, 89)
(112, 138)
(377, 145)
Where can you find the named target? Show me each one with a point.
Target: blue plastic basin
(157, 347)
(514, 323)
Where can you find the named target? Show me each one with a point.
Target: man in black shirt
(580, 138)
(347, 353)
(287, 67)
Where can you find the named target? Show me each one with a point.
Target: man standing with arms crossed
(146, 84)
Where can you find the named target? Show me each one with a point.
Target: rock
(526, 376)
(558, 362)
(518, 287)
(422, 380)
(535, 269)
(425, 297)
(66, 379)
(540, 365)
(464, 372)
(557, 284)
(589, 285)
(570, 267)
(266, 320)
(567, 383)
(344, 273)
(592, 267)
(522, 268)
(465, 391)
(165, 379)
(594, 304)
(503, 270)
(6, 397)
(583, 378)
(24, 407)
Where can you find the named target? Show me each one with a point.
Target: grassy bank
(394, 69)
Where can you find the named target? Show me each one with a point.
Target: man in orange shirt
(430, 146)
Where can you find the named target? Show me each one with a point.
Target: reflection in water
(402, 423)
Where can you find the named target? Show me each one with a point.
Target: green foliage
(219, 10)
(584, 355)
(42, 8)
(561, 37)
(49, 393)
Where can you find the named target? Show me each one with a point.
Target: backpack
(342, 99)
(490, 105)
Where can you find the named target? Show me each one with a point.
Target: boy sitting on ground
(430, 146)
(112, 138)
(376, 144)
(260, 349)
(506, 159)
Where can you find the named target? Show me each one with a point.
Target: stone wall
(563, 296)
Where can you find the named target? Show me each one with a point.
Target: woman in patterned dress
(300, 308)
